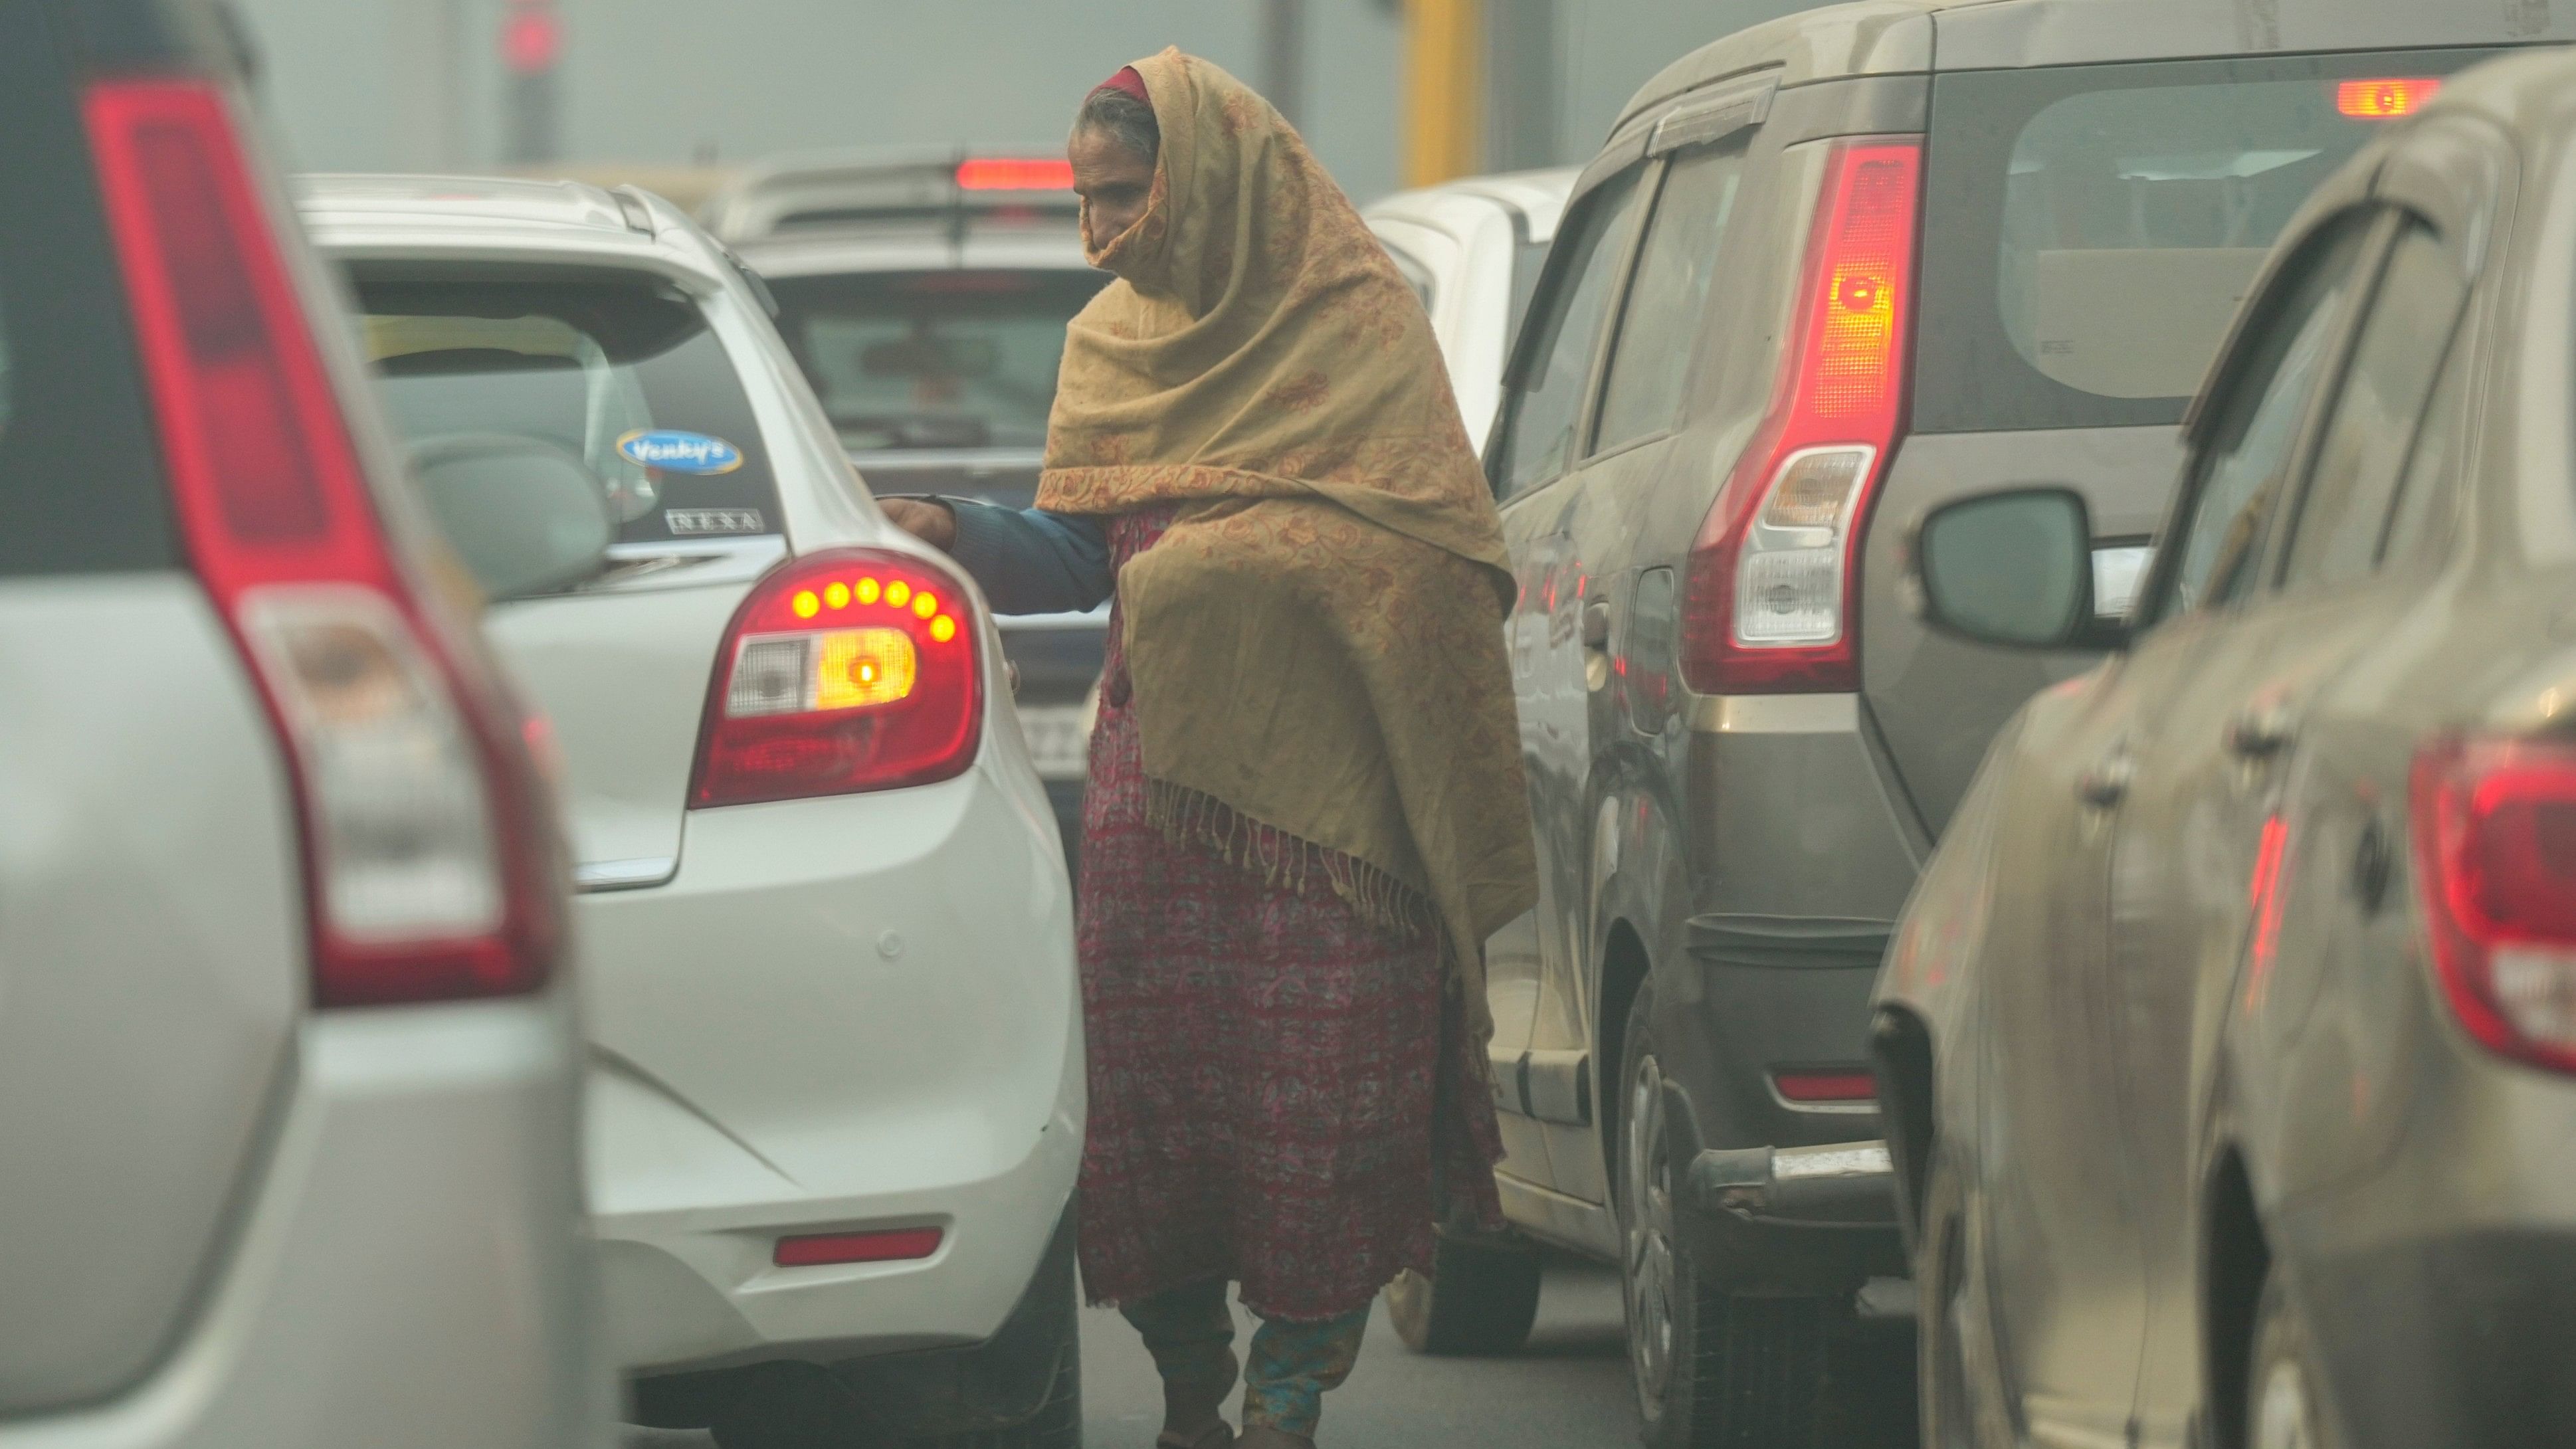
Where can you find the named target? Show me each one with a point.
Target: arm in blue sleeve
(1029, 561)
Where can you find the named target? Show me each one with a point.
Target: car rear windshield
(615, 368)
(80, 482)
(2090, 230)
(934, 359)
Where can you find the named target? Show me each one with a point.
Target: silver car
(1825, 275)
(2232, 1027)
(288, 1065)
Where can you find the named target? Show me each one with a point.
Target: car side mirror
(524, 515)
(2014, 568)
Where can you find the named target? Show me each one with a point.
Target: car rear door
(152, 924)
(2205, 854)
(1546, 411)
(2199, 841)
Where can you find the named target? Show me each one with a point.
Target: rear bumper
(841, 1015)
(2461, 1341)
(2439, 1287)
(409, 1271)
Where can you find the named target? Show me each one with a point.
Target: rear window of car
(80, 480)
(2089, 231)
(934, 359)
(618, 369)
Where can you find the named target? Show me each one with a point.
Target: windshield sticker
(674, 451)
(698, 522)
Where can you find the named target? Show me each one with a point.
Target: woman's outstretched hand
(932, 522)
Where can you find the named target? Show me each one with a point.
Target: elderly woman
(1306, 809)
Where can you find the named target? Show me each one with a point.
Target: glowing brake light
(2378, 100)
(995, 173)
(2495, 856)
(842, 672)
(428, 857)
(1774, 576)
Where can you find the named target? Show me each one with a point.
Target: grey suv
(1825, 274)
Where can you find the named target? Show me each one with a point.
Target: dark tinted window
(2240, 471)
(80, 485)
(1660, 322)
(942, 359)
(2363, 450)
(1553, 363)
(2090, 230)
(617, 369)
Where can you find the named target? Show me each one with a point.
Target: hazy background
(421, 85)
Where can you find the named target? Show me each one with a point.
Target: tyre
(2282, 1407)
(1713, 1370)
(1479, 1301)
(1957, 1411)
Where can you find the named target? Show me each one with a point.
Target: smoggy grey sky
(417, 84)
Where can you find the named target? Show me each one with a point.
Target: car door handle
(2107, 783)
(1596, 624)
(2262, 731)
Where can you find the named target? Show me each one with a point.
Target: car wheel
(1480, 1299)
(1713, 1370)
(1954, 1414)
(2282, 1408)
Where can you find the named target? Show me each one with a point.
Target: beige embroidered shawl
(1315, 646)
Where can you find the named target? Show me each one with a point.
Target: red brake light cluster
(2495, 854)
(893, 1245)
(1819, 1088)
(996, 173)
(2379, 100)
(843, 671)
(427, 857)
(1774, 577)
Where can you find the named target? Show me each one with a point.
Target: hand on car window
(927, 519)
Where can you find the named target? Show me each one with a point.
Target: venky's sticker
(699, 522)
(674, 451)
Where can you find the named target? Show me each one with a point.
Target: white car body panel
(1467, 235)
(818, 1015)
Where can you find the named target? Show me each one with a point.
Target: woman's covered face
(1114, 183)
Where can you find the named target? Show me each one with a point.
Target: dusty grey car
(1826, 274)
(2230, 1033)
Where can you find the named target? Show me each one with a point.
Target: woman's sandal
(1219, 1435)
(1262, 1436)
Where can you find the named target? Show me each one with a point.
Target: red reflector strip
(2378, 100)
(994, 173)
(1826, 1086)
(897, 1245)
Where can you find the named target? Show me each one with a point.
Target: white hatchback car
(1472, 249)
(835, 1086)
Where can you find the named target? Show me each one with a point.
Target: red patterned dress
(1279, 1092)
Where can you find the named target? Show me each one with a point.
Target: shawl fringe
(1281, 860)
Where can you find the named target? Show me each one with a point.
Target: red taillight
(995, 173)
(843, 671)
(2495, 855)
(1825, 1087)
(897, 1245)
(426, 876)
(1774, 577)
(2378, 100)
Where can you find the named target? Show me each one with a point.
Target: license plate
(1059, 737)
